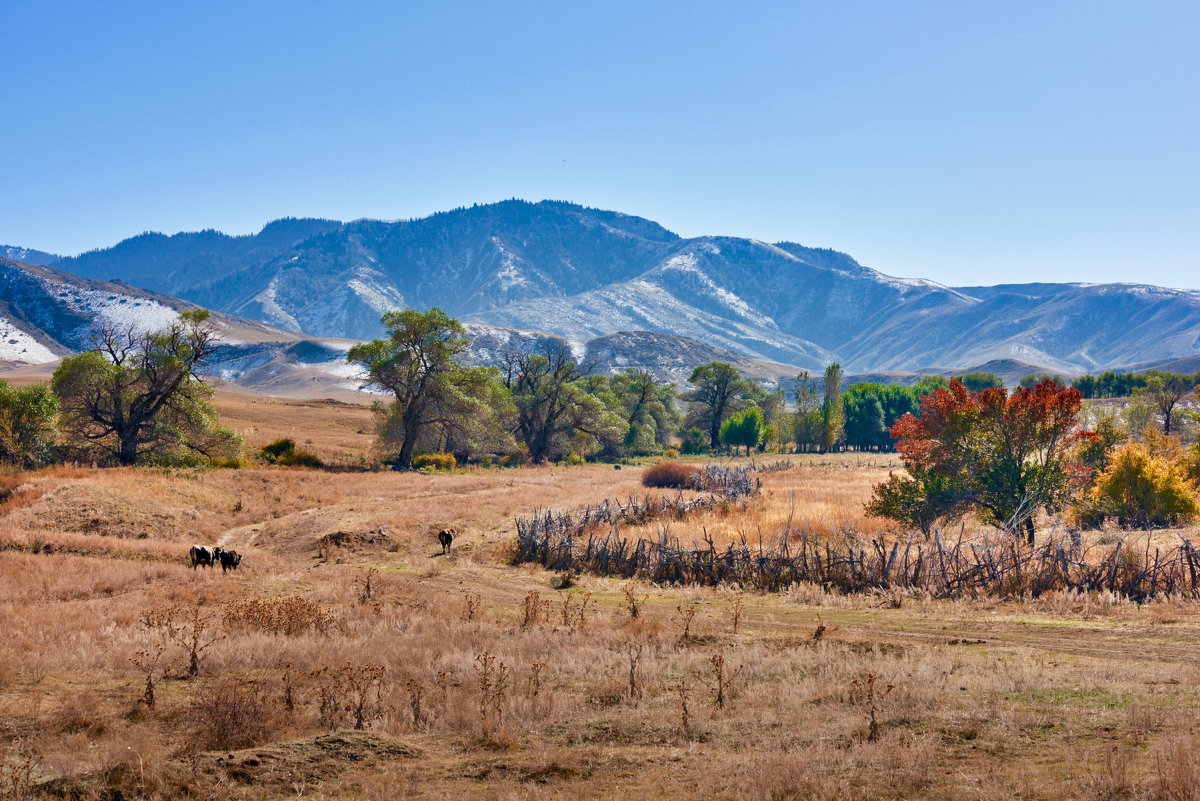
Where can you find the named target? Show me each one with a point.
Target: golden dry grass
(1065, 696)
(335, 431)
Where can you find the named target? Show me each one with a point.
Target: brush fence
(997, 564)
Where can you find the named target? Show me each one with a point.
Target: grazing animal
(229, 559)
(445, 537)
(203, 556)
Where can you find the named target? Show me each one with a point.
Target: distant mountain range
(46, 314)
(584, 274)
(27, 256)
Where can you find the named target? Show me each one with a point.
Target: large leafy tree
(28, 424)
(649, 409)
(557, 411)
(136, 397)
(871, 411)
(719, 392)
(437, 402)
(1005, 456)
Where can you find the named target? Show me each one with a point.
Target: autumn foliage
(1001, 455)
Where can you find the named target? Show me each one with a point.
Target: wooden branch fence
(999, 564)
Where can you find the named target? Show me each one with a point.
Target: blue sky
(962, 142)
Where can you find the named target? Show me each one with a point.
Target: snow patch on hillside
(687, 263)
(112, 309)
(509, 274)
(379, 297)
(272, 311)
(18, 346)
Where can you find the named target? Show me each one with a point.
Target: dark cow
(445, 537)
(203, 556)
(229, 560)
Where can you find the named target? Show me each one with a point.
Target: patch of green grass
(1093, 698)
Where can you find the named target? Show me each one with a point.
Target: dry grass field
(347, 658)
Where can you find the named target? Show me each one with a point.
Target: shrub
(274, 450)
(574, 459)
(1143, 489)
(227, 463)
(294, 614)
(284, 452)
(673, 475)
(235, 715)
(694, 442)
(299, 458)
(671, 453)
(434, 461)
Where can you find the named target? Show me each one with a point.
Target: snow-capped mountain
(46, 314)
(584, 273)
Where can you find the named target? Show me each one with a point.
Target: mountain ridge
(46, 314)
(584, 273)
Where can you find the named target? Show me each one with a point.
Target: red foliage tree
(1002, 455)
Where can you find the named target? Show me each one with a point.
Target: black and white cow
(203, 556)
(445, 537)
(229, 559)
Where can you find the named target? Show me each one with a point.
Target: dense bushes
(28, 424)
(433, 461)
(284, 452)
(672, 475)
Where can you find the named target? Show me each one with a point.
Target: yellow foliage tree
(1146, 484)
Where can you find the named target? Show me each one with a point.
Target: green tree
(694, 441)
(808, 424)
(872, 409)
(719, 393)
(28, 424)
(929, 383)
(649, 409)
(433, 395)
(1033, 379)
(978, 382)
(919, 498)
(743, 428)
(833, 415)
(137, 397)
(477, 419)
(775, 416)
(555, 412)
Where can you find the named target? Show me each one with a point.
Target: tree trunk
(411, 429)
(128, 452)
(404, 460)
